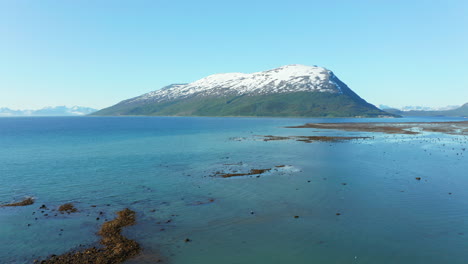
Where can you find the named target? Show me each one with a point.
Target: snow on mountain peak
(49, 111)
(285, 79)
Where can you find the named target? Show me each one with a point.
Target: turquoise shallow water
(166, 163)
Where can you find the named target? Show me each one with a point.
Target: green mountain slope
(305, 104)
(288, 91)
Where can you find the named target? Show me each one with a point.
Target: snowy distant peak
(420, 108)
(285, 79)
(49, 111)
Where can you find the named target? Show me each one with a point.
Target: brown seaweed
(310, 139)
(453, 128)
(25, 202)
(67, 208)
(251, 172)
(116, 248)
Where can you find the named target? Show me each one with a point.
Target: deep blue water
(166, 163)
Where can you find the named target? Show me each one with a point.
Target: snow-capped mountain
(420, 108)
(286, 79)
(461, 111)
(291, 90)
(49, 111)
(9, 112)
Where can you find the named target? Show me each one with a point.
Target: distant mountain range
(461, 111)
(49, 111)
(419, 108)
(292, 90)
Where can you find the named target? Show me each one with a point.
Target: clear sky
(97, 53)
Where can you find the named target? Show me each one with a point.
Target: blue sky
(97, 53)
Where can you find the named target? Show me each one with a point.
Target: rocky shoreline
(409, 128)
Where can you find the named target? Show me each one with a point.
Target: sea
(354, 201)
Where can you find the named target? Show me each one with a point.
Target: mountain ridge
(461, 111)
(49, 111)
(266, 93)
(419, 107)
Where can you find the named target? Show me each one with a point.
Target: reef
(67, 208)
(251, 172)
(310, 139)
(208, 201)
(409, 128)
(116, 248)
(27, 201)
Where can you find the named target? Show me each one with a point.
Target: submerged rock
(252, 172)
(27, 201)
(116, 248)
(67, 208)
(310, 139)
(409, 128)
